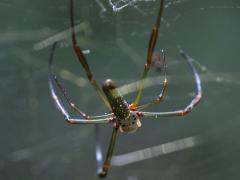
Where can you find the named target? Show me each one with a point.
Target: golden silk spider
(124, 116)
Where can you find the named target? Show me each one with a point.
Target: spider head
(131, 123)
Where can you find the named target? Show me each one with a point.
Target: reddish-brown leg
(151, 47)
(83, 60)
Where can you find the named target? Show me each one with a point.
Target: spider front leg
(158, 99)
(59, 104)
(194, 101)
(151, 47)
(83, 60)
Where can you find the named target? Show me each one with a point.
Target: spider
(125, 117)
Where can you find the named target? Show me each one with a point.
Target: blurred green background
(36, 143)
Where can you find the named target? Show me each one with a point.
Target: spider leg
(151, 47)
(158, 99)
(73, 105)
(102, 168)
(194, 101)
(88, 119)
(83, 60)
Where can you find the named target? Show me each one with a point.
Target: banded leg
(194, 101)
(83, 60)
(165, 83)
(103, 169)
(59, 104)
(73, 105)
(151, 47)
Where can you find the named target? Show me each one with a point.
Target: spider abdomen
(130, 124)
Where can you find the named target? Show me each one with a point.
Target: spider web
(118, 5)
